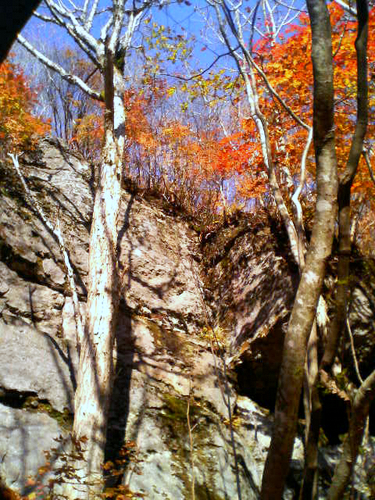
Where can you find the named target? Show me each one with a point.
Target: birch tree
(232, 20)
(118, 21)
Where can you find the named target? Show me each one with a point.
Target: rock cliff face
(186, 307)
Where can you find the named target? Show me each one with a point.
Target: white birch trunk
(96, 361)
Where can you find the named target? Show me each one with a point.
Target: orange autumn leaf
(288, 67)
(19, 128)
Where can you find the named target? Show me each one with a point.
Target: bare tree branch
(46, 19)
(352, 348)
(347, 7)
(196, 75)
(59, 69)
(90, 17)
(78, 32)
(295, 199)
(368, 163)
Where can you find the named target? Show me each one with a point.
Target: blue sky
(179, 17)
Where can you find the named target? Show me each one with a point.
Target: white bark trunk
(96, 361)
(96, 357)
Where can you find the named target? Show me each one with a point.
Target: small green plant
(342, 380)
(217, 338)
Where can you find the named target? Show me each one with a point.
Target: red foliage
(19, 129)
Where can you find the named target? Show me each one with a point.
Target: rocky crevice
(189, 301)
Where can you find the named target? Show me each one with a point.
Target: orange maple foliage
(238, 154)
(161, 153)
(287, 65)
(19, 129)
(89, 130)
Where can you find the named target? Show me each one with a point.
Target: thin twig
(197, 75)
(368, 163)
(356, 366)
(226, 399)
(191, 445)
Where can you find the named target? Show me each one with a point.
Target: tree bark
(312, 408)
(366, 392)
(360, 410)
(345, 185)
(340, 317)
(95, 376)
(304, 309)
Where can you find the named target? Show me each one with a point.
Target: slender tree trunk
(312, 408)
(339, 320)
(309, 489)
(360, 410)
(304, 309)
(96, 360)
(345, 185)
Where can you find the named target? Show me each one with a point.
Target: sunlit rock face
(187, 304)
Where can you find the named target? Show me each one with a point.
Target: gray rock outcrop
(180, 311)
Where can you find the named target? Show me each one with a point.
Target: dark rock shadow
(257, 377)
(124, 354)
(120, 399)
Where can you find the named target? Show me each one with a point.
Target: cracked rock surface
(165, 366)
